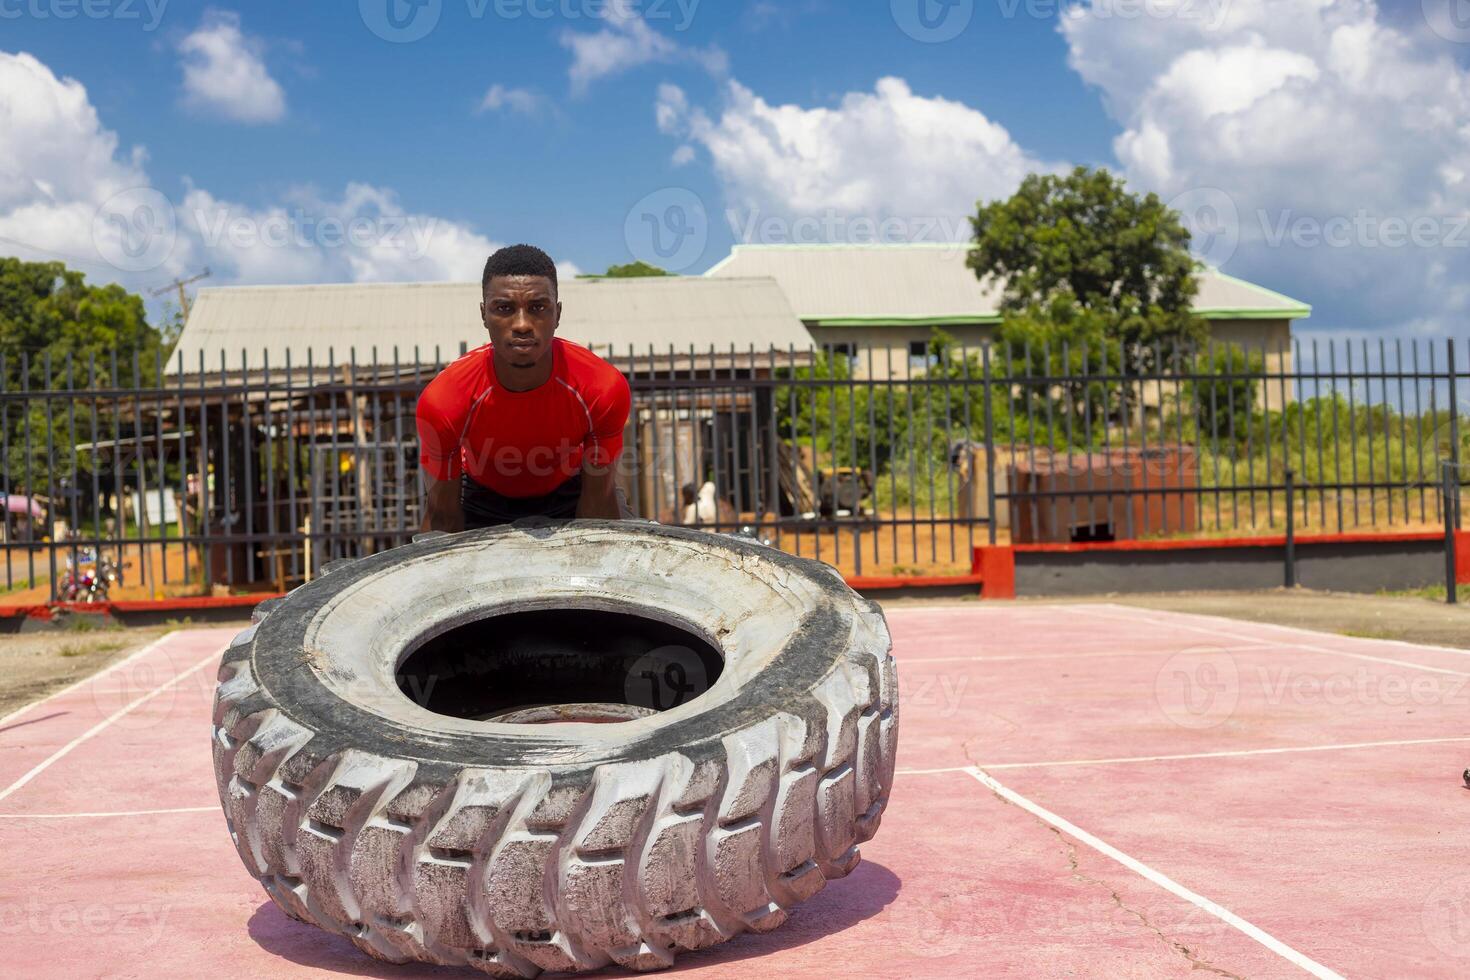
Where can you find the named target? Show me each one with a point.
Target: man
(528, 424)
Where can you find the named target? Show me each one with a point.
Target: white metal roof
(607, 315)
(929, 283)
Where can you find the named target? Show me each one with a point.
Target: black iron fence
(251, 472)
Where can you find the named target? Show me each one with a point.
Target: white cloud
(363, 236)
(1332, 133)
(885, 154)
(58, 165)
(629, 42)
(62, 174)
(519, 100)
(224, 73)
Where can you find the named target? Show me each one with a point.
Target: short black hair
(519, 260)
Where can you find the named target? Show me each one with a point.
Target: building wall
(889, 345)
(1269, 340)
(889, 348)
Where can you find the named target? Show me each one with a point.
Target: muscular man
(527, 424)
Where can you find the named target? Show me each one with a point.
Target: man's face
(521, 313)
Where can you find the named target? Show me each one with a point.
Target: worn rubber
(515, 852)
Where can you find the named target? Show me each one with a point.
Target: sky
(1320, 148)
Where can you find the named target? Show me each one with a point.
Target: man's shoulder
(461, 380)
(587, 368)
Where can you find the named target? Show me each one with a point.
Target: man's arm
(605, 444)
(439, 418)
(443, 511)
(599, 494)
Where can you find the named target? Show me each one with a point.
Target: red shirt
(522, 443)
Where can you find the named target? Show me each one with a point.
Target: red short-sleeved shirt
(522, 443)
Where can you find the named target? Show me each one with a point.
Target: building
(360, 324)
(298, 401)
(881, 303)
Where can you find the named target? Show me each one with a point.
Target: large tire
(516, 848)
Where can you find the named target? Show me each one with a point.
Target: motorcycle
(89, 578)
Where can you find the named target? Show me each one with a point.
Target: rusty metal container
(1104, 495)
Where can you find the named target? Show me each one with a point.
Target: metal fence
(244, 474)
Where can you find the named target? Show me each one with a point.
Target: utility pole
(179, 284)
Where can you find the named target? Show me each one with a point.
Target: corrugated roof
(604, 314)
(929, 283)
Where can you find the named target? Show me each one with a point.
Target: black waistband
(484, 507)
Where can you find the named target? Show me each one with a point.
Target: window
(845, 349)
(919, 357)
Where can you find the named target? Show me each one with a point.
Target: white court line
(1231, 754)
(141, 699)
(110, 813)
(1062, 655)
(1031, 608)
(1158, 878)
(931, 772)
(1285, 645)
(90, 677)
(981, 607)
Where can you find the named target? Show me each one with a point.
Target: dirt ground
(1379, 617)
(33, 665)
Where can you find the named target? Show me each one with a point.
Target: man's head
(520, 305)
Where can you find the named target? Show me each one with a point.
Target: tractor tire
(379, 779)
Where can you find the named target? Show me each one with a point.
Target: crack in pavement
(1195, 962)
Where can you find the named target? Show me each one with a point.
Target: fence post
(1290, 529)
(1454, 411)
(989, 442)
(1449, 487)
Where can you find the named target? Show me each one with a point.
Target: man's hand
(599, 494)
(443, 511)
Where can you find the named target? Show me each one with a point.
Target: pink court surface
(1084, 790)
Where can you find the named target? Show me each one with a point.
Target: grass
(19, 586)
(93, 531)
(90, 649)
(1434, 593)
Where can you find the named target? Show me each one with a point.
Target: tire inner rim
(550, 666)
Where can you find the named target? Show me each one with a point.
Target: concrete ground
(1083, 790)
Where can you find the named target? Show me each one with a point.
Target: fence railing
(251, 474)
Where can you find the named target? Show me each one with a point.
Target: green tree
(633, 270)
(1085, 241)
(1061, 357)
(1224, 409)
(54, 327)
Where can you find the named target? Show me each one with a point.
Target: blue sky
(1319, 146)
